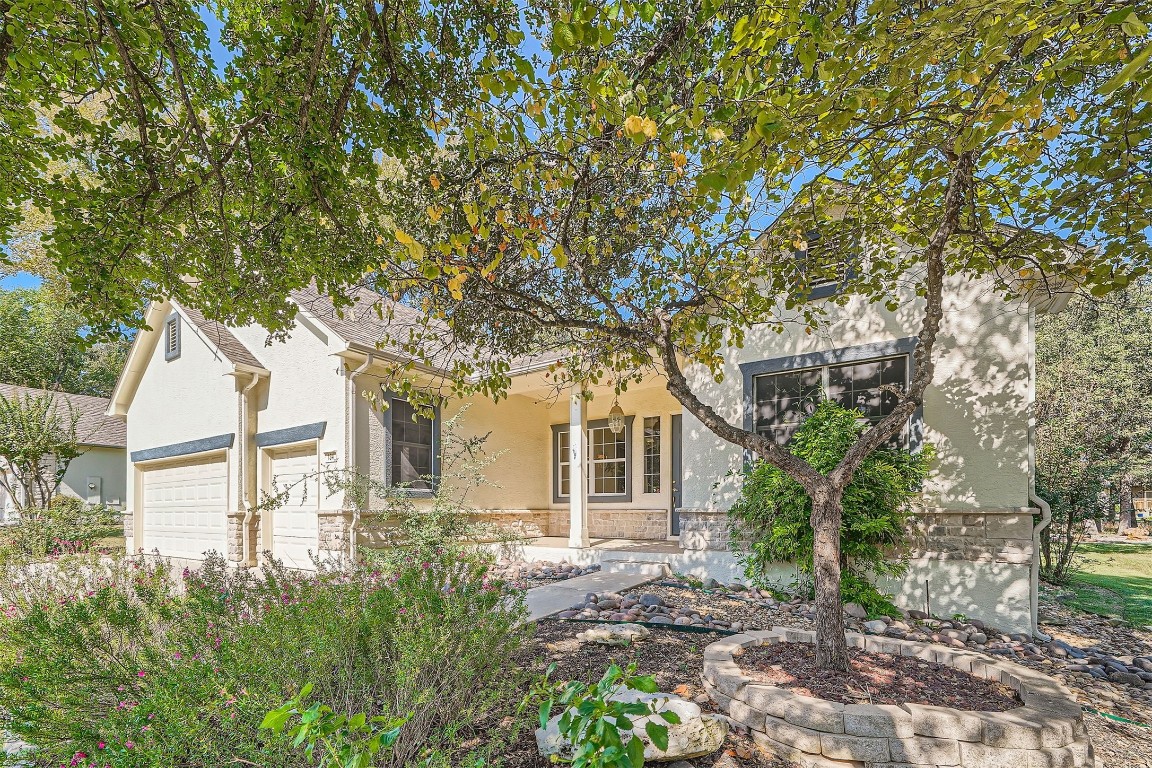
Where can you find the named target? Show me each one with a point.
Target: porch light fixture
(616, 417)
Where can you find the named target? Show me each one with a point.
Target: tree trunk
(831, 645)
(1127, 518)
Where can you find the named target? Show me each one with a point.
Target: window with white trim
(609, 468)
(782, 401)
(651, 454)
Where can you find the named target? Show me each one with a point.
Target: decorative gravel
(524, 574)
(875, 678)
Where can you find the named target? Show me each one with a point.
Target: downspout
(248, 471)
(351, 452)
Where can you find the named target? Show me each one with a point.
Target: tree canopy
(43, 344)
(160, 170)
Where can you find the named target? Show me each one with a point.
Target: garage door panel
(296, 524)
(185, 508)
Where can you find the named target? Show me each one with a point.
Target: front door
(677, 473)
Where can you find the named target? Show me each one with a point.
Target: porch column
(578, 470)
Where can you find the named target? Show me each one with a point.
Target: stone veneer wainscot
(1046, 732)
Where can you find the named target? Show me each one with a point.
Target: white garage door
(296, 525)
(185, 508)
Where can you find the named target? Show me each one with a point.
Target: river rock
(697, 734)
(614, 634)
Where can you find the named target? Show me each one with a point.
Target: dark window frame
(856, 354)
(387, 417)
(593, 498)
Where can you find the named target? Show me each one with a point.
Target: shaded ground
(875, 678)
(675, 658)
(1114, 580)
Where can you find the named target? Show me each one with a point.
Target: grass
(1114, 580)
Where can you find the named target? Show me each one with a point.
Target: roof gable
(94, 426)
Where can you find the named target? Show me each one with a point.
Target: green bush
(68, 525)
(771, 521)
(129, 665)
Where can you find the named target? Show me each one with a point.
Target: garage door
(295, 525)
(185, 508)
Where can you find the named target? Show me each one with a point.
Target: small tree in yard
(38, 442)
(771, 518)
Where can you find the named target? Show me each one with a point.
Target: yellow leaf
(634, 125)
(560, 256)
(1052, 131)
(972, 78)
(434, 213)
(1071, 112)
(649, 128)
(434, 180)
(414, 248)
(679, 159)
(716, 133)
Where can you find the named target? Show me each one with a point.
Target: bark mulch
(674, 658)
(875, 678)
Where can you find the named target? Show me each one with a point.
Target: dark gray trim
(858, 354)
(214, 443)
(386, 420)
(602, 498)
(677, 471)
(291, 434)
(172, 319)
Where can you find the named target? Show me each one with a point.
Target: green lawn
(1115, 580)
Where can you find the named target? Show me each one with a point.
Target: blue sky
(19, 280)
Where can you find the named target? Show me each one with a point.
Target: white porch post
(578, 470)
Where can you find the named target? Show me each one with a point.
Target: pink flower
(100, 745)
(141, 673)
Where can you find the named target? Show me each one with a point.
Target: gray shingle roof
(216, 332)
(376, 321)
(93, 427)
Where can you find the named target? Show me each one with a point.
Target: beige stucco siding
(189, 398)
(307, 385)
(975, 412)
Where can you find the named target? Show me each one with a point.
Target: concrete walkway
(561, 595)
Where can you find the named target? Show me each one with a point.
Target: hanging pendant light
(616, 417)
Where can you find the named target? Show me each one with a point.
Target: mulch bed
(674, 658)
(875, 678)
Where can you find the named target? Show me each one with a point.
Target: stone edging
(1046, 732)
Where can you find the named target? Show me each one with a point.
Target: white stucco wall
(307, 385)
(109, 465)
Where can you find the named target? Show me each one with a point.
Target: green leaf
(1128, 72)
(716, 181)
(635, 751)
(658, 734)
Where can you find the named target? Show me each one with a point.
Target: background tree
(150, 164)
(45, 343)
(1093, 413)
(616, 196)
(38, 442)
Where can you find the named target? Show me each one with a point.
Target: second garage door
(185, 507)
(295, 525)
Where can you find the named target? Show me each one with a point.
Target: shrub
(66, 526)
(123, 662)
(771, 519)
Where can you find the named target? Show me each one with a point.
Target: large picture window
(413, 449)
(609, 474)
(781, 401)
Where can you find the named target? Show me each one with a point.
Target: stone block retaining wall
(1046, 732)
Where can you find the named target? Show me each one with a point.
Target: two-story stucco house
(216, 415)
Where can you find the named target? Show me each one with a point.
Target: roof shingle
(94, 426)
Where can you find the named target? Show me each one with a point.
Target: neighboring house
(98, 474)
(218, 415)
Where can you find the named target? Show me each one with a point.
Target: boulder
(614, 634)
(651, 601)
(697, 734)
(875, 627)
(855, 610)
